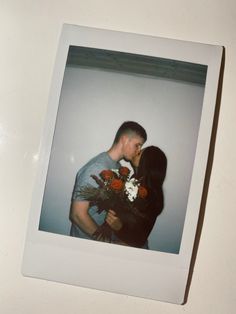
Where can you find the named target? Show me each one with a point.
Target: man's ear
(124, 139)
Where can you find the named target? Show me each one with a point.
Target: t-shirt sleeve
(83, 178)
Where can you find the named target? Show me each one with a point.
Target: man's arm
(79, 216)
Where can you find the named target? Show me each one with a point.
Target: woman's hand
(113, 221)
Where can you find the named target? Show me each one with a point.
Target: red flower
(124, 171)
(106, 174)
(142, 192)
(117, 185)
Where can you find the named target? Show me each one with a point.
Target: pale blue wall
(93, 104)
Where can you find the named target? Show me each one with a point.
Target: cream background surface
(29, 36)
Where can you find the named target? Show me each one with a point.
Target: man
(85, 219)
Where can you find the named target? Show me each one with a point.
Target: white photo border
(143, 273)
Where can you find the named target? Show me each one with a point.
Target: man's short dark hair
(130, 127)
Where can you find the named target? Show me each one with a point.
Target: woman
(150, 168)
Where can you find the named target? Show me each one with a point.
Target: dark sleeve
(135, 230)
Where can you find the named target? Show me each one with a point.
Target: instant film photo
(114, 211)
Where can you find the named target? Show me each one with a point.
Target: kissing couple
(127, 227)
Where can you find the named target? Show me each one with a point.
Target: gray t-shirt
(83, 178)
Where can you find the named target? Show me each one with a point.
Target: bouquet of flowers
(117, 191)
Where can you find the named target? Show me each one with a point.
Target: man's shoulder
(94, 162)
(93, 166)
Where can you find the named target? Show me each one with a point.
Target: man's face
(136, 159)
(132, 146)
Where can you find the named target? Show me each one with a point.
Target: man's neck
(115, 153)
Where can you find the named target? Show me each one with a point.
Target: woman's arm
(131, 230)
(113, 221)
(135, 233)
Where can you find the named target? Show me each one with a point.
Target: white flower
(116, 171)
(131, 189)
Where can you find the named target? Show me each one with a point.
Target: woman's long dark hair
(152, 172)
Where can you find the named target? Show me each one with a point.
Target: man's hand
(113, 221)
